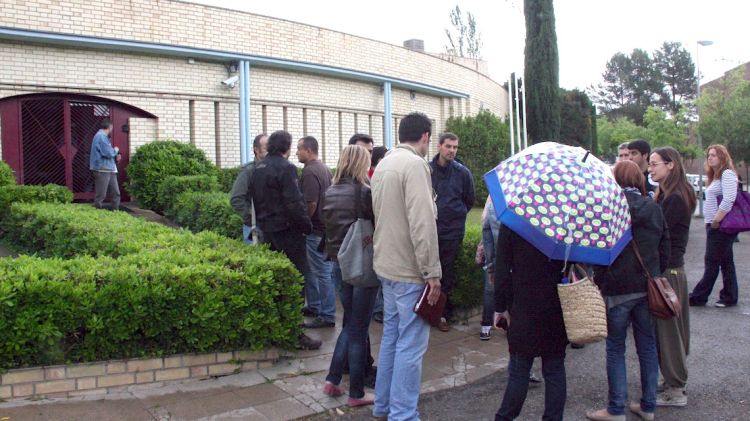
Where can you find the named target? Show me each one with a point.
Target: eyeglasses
(653, 164)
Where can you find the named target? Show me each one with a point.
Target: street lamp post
(703, 43)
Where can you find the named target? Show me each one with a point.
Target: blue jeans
(618, 319)
(489, 237)
(405, 339)
(379, 302)
(351, 345)
(555, 388)
(319, 288)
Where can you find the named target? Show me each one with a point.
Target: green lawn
(475, 216)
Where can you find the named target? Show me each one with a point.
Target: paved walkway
(289, 390)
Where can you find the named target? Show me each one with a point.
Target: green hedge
(30, 194)
(6, 175)
(200, 211)
(227, 177)
(149, 291)
(469, 288)
(174, 185)
(155, 161)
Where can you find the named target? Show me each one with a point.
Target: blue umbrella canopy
(562, 200)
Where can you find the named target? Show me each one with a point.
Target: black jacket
(338, 212)
(454, 187)
(274, 191)
(677, 215)
(625, 275)
(526, 285)
(239, 197)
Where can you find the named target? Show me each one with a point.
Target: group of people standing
(661, 203)
(418, 209)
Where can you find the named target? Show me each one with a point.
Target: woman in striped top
(722, 181)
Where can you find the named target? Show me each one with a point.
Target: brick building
(156, 67)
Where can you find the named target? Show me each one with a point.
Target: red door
(47, 138)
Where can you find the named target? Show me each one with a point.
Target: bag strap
(357, 200)
(640, 260)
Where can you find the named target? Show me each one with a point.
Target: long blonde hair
(354, 162)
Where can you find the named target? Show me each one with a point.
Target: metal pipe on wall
(518, 114)
(388, 114)
(510, 116)
(523, 99)
(243, 112)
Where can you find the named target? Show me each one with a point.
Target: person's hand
(117, 150)
(118, 157)
(434, 295)
(715, 224)
(500, 316)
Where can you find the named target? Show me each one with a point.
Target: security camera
(231, 82)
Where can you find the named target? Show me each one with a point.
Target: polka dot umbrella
(562, 200)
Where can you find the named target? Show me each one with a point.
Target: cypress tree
(541, 72)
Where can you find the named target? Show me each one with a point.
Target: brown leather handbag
(662, 300)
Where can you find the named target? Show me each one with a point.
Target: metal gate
(56, 137)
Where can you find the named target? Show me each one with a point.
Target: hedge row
(148, 290)
(173, 186)
(201, 211)
(6, 175)
(467, 293)
(53, 193)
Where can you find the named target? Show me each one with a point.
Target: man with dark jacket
(454, 186)
(280, 209)
(238, 198)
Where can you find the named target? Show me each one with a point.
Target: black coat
(454, 188)
(650, 233)
(274, 190)
(339, 214)
(526, 284)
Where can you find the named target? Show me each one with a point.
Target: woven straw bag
(583, 309)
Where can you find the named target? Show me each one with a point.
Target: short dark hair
(447, 135)
(360, 137)
(378, 153)
(256, 141)
(641, 146)
(105, 124)
(413, 126)
(279, 142)
(310, 143)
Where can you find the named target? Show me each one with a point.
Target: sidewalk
(289, 390)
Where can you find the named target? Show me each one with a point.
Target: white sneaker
(672, 397)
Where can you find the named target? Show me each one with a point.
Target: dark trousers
(352, 345)
(519, 368)
(719, 257)
(106, 182)
(292, 244)
(448, 252)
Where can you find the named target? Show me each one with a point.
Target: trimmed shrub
(168, 292)
(155, 161)
(469, 288)
(227, 177)
(6, 175)
(199, 211)
(174, 185)
(31, 194)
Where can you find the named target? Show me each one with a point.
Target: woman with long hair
(677, 199)
(722, 181)
(350, 184)
(624, 285)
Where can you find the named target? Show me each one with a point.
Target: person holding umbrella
(624, 285)
(557, 204)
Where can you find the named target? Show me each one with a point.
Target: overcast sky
(589, 32)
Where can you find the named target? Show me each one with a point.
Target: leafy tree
(466, 41)
(541, 71)
(631, 85)
(575, 118)
(676, 69)
(725, 115)
(483, 143)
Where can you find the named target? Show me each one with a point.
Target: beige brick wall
(165, 86)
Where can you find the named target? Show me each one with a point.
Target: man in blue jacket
(102, 163)
(454, 186)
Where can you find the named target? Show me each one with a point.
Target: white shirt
(727, 188)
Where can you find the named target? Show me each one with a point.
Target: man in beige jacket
(406, 256)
